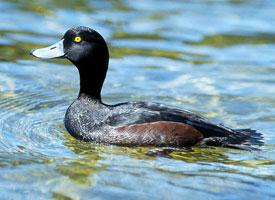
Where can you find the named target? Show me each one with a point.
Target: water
(216, 58)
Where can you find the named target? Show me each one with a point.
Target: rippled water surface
(216, 58)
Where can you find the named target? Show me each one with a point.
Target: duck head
(88, 51)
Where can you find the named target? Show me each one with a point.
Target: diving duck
(131, 123)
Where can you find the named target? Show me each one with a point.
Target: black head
(78, 44)
(82, 43)
(87, 50)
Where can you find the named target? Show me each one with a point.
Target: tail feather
(220, 135)
(249, 137)
(244, 139)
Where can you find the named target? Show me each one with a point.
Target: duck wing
(127, 114)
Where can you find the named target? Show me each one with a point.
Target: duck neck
(92, 77)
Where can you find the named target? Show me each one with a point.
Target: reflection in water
(82, 168)
(212, 57)
(46, 7)
(223, 40)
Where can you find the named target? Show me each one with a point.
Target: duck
(136, 123)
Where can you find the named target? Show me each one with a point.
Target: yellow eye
(77, 39)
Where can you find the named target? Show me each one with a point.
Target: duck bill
(54, 51)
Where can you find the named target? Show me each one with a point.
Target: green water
(216, 58)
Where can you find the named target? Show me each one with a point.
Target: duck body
(130, 123)
(149, 124)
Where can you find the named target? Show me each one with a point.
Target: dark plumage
(131, 123)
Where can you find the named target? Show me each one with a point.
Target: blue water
(216, 58)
